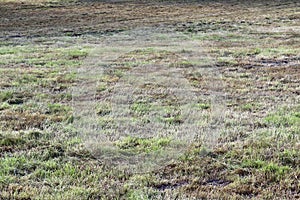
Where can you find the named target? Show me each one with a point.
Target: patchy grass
(249, 53)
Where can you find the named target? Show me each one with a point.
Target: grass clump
(143, 145)
(57, 108)
(103, 109)
(77, 53)
(4, 106)
(203, 106)
(5, 95)
(283, 118)
(140, 108)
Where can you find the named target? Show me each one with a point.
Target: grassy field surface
(129, 99)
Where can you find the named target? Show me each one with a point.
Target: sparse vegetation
(240, 59)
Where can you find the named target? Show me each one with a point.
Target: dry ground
(238, 67)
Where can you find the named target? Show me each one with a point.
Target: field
(160, 99)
